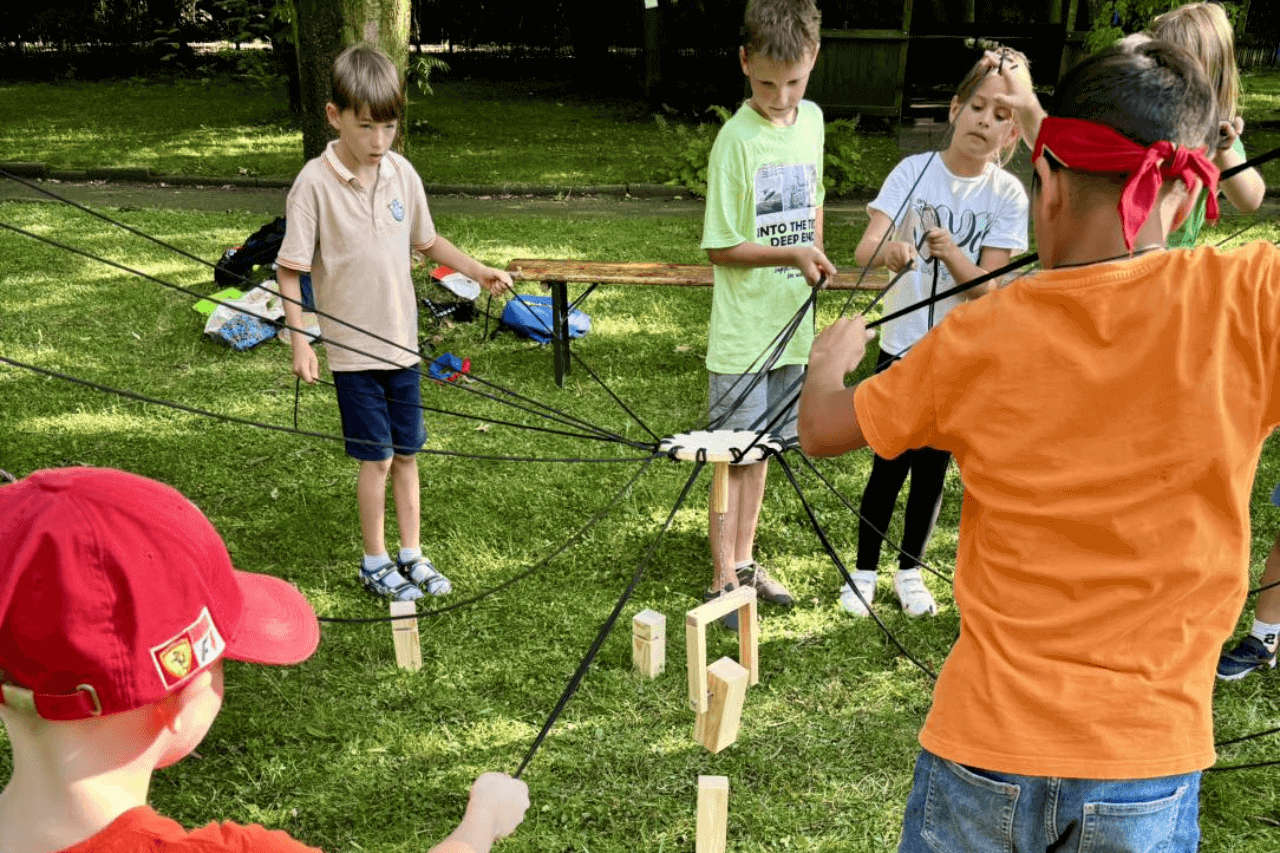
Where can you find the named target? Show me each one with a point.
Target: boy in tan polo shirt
(354, 215)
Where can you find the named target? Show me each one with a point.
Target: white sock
(409, 554)
(1268, 633)
(374, 561)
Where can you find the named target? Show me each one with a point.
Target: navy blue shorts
(381, 412)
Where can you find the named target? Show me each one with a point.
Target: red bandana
(1089, 147)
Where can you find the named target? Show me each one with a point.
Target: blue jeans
(954, 808)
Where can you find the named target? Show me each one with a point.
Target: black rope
(908, 268)
(1252, 163)
(555, 333)
(1217, 769)
(839, 564)
(513, 580)
(1264, 588)
(1025, 260)
(560, 415)
(893, 224)
(142, 398)
(581, 671)
(192, 293)
(424, 407)
(1244, 738)
(758, 369)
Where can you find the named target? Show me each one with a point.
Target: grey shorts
(762, 404)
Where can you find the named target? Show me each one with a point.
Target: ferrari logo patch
(189, 651)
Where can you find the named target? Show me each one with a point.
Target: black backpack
(235, 265)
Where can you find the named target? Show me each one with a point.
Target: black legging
(928, 469)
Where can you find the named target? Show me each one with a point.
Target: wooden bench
(558, 274)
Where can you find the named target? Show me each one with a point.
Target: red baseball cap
(116, 590)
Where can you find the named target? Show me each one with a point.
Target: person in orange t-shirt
(1107, 416)
(118, 604)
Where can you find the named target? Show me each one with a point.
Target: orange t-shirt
(1107, 422)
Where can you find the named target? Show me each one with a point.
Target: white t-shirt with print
(987, 210)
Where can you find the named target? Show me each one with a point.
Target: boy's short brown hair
(363, 76)
(1147, 90)
(781, 30)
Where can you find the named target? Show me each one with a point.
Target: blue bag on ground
(530, 317)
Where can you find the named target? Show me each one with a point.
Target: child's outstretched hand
(898, 254)
(1229, 131)
(495, 281)
(496, 807)
(814, 264)
(840, 347)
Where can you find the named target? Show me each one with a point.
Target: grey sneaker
(730, 619)
(767, 587)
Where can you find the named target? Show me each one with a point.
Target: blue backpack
(530, 317)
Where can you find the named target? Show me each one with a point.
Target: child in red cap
(118, 603)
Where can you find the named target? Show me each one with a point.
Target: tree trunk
(322, 29)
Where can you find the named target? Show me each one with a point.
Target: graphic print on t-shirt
(785, 215)
(968, 230)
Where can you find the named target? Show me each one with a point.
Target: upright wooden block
(404, 632)
(713, 814)
(649, 643)
(718, 727)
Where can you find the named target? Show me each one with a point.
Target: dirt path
(270, 202)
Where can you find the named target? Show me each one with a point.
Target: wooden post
(718, 727)
(405, 634)
(720, 488)
(713, 814)
(649, 643)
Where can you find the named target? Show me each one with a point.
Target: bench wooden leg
(560, 329)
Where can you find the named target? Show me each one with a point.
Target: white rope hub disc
(721, 445)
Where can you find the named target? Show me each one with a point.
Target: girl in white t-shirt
(954, 215)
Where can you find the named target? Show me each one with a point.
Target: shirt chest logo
(397, 210)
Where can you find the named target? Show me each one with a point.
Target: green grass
(468, 132)
(1260, 106)
(351, 754)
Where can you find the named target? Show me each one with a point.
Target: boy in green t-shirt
(763, 233)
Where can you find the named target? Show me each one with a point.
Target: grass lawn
(350, 754)
(1260, 106)
(469, 132)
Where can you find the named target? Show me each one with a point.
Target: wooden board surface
(677, 275)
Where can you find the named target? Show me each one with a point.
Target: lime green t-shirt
(1186, 234)
(764, 184)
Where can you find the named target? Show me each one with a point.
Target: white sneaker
(866, 584)
(913, 594)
